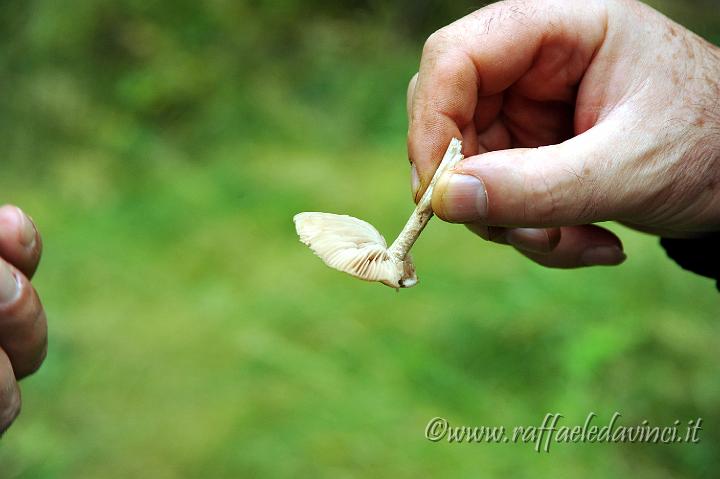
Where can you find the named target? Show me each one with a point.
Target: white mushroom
(357, 248)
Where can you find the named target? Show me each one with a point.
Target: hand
(571, 113)
(23, 328)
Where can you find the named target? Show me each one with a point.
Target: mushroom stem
(423, 211)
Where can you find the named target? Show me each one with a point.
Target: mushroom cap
(354, 247)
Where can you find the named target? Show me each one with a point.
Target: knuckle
(435, 41)
(430, 44)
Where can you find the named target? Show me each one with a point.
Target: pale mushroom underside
(350, 245)
(357, 248)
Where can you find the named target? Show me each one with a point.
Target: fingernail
(414, 180)
(603, 256)
(463, 198)
(27, 230)
(533, 240)
(8, 284)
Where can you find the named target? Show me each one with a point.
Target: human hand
(570, 113)
(23, 328)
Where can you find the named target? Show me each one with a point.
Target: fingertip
(426, 148)
(603, 256)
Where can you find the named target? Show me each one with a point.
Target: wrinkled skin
(571, 113)
(23, 328)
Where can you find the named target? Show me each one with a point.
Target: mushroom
(357, 248)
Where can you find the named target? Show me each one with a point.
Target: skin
(571, 113)
(23, 327)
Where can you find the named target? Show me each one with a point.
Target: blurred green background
(163, 147)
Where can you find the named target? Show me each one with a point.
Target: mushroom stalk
(423, 211)
(355, 247)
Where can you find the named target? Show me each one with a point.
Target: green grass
(192, 335)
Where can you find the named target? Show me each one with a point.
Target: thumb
(572, 183)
